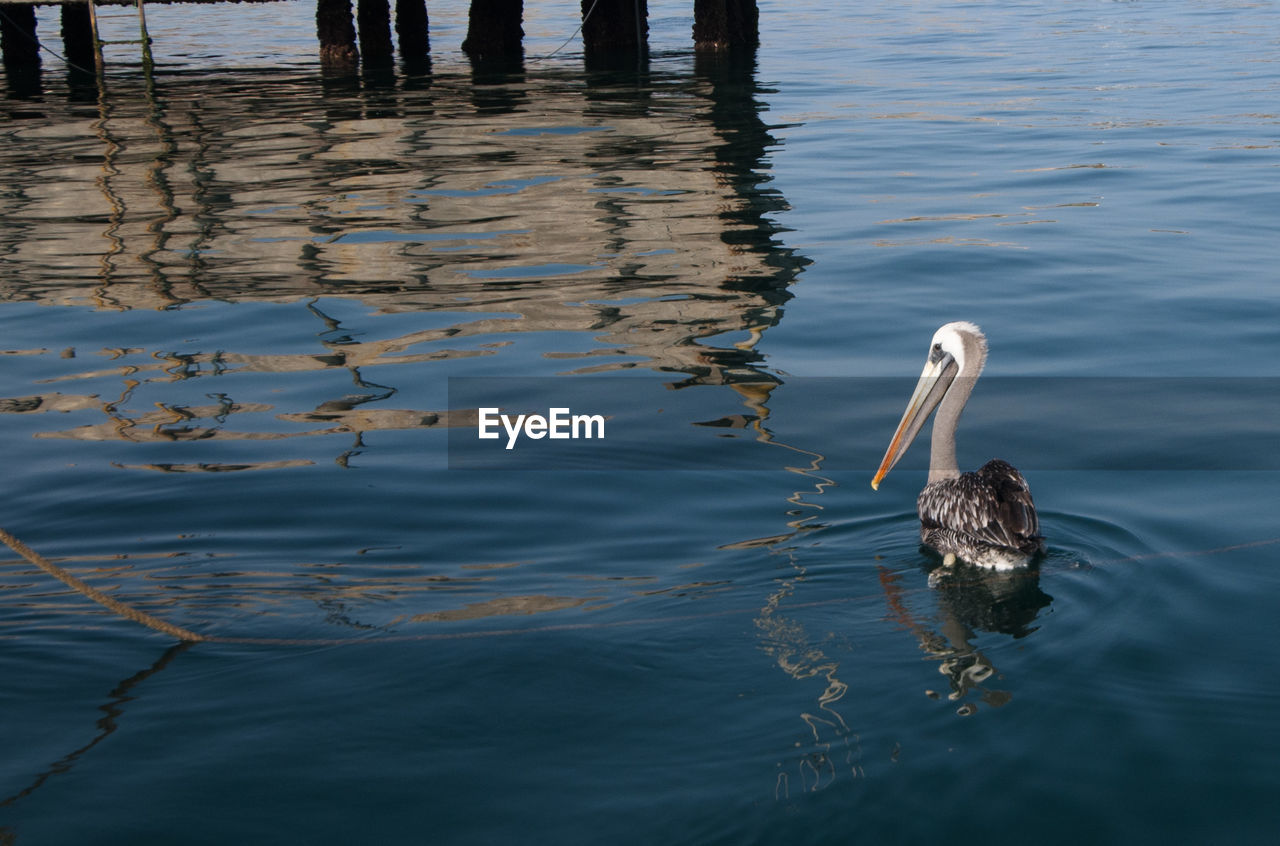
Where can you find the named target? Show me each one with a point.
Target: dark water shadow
(113, 711)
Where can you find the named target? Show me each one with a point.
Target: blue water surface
(249, 311)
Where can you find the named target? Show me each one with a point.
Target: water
(241, 309)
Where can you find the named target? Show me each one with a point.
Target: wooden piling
(615, 27)
(99, 66)
(337, 34)
(411, 32)
(725, 24)
(77, 35)
(18, 38)
(494, 29)
(373, 21)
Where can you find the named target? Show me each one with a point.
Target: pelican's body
(986, 518)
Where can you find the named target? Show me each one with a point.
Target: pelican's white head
(964, 342)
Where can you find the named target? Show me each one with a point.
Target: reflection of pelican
(986, 518)
(972, 601)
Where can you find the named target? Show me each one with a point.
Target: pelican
(986, 518)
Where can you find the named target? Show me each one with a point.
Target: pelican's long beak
(939, 372)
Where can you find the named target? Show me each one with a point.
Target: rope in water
(126, 611)
(156, 624)
(571, 35)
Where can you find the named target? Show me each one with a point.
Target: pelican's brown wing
(992, 506)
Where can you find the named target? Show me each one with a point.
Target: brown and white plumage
(986, 518)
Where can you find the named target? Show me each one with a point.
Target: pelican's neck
(942, 446)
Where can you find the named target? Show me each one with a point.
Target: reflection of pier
(609, 28)
(535, 205)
